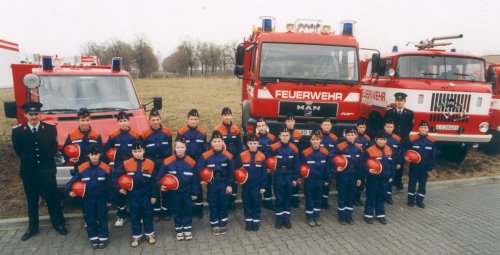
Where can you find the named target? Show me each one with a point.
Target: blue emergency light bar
(453, 50)
(47, 63)
(267, 25)
(116, 64)
(395, 48)
(347, 28)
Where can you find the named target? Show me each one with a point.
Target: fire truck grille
(439, 117)
(450, 103)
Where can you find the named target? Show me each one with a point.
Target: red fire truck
(494, 78)
(63, 89)
(447, 89)
(307, 70)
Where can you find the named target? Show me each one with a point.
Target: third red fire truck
(447, 89)
(308, 71)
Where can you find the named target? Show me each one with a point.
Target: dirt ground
(208, 95)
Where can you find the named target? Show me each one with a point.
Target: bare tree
(144, 56)
(117, 48)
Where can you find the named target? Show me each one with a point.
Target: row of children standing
(149, 156)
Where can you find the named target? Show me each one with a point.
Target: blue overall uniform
(296, 139)
(141, 209)
(84, 140)
(377, 184)
(223, 176)
(329, 141)
(426, 147)
(183, 169)
(287, 170)
(98, 193)
(394, 142)
(196, 145)
(317, 160)
(158, 145)
(255, 164)
(232, 138)
(346, 179)
(365, 141)
(265, 142)
(122, 141)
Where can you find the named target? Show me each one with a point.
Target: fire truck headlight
(326, 29)
(32, 81)
(479, 101)
(290, 27)
(391, 72)
(483, 127)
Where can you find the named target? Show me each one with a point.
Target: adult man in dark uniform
(403, 123)
(35, 144)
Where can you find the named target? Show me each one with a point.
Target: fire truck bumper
(462, 138)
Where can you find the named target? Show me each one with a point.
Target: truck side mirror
(382, 65)
(10, 109)
(240, 55)
(238, 70)
(490, 73)
(157, 103)
(375, 63)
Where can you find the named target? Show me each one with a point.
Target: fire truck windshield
(61, 93)
(309, 63)
(440, 67)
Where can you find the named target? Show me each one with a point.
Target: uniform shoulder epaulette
(114, 133)
(271, 136)
(129, 165)
(260, 156)
(83, 166)
(397, 137)
(105, 166)
(134, 133)
(307, 151)
(190, 161)
(245, 156)
(388, 151)
(94, 134)
(221, 129)
(75, 134)
(235, 129)
(167, 131)
(208, 154)
(182, 130)
(342, 145)
(148, 166)
(431, 138)
(169, 160)
(324, 151)
(294, 147)
(201, 130)
(333, 136)
(146, 133)
(275, 146)
(16, 126)
(228, 154)
(414, 137)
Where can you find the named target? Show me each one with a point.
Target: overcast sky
(63, 26)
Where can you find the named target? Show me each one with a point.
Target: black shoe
(248, 227)
(389, 201)
(350, 221)
(28, 234)
(382, 220)
(288, 225)
(369, 220)
(278, 225)
(94, 244)
(103, 244)
(410, 204)
(421, 204)
(62, 230)
(256, 227)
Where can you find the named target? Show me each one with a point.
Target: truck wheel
(375, 123)
(455, 152)
(493, 147)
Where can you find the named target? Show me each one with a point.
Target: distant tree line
(189, 58)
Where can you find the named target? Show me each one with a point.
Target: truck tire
(493, 147)
(455, 152)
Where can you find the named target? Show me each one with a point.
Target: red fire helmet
(207, 174)
(304, 170)
(374, 166)
(271, 164)
(170, 182)
(126, 182)
(241, 175)
(340, 161)
(78, 188)
(72, 150)
(111, 154)
(413, 156)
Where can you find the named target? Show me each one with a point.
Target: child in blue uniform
(266, 139)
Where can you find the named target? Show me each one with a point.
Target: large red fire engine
(447, 89)
(494, 78)
(63, 89)
(308, 71)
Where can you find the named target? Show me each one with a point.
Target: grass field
(208, 95)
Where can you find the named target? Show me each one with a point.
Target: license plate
(447, 127)
(305, 131)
